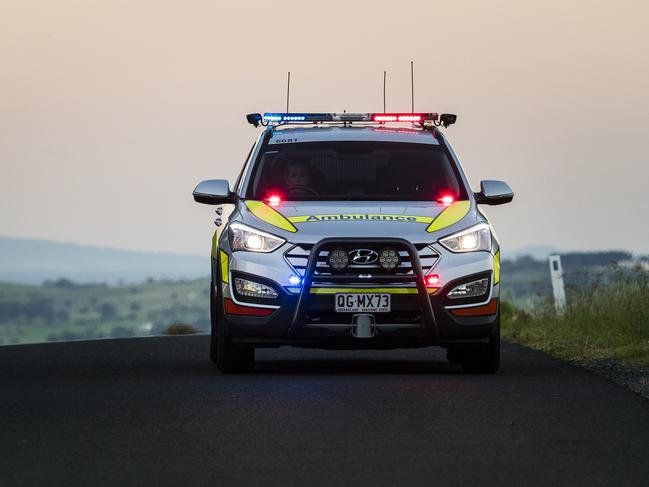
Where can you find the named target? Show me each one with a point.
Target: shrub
(62, 316)
(121, 332)
(180, 329)
(108, 311)
(60, 283)
(40, 307)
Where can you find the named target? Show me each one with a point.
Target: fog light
(338, 259)
(389, 259)
(294, 280)
(254, 289)
(470, 289)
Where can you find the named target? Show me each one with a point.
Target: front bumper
(274, 331)
(417, 318)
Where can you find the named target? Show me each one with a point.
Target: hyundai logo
(363, 256)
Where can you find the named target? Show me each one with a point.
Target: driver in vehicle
(297, 179)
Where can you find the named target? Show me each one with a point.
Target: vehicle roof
(352, 134)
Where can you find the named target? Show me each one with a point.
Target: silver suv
(354, 231)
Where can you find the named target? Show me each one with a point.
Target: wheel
(227, 356)
(214, 321)
(454, 355)
(483, 359)
(232, 358)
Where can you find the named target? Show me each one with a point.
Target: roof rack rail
(272, 118)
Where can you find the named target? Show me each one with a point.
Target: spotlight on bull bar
(338, 259)
(389, 258)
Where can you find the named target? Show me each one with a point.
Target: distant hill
(538, 252)
(35, 261)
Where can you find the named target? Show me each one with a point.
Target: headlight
(472, 239)
(243, 237)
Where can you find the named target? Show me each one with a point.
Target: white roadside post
(556, 274)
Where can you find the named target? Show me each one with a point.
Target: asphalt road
(155, 411)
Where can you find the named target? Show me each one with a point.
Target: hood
(309, 221)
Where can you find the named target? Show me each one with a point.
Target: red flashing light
(274, 200)
(384, 118)
(409, 118)
(397, 117)
(446, 200)
(432, 280)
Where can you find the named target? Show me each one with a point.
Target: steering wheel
(302, 189)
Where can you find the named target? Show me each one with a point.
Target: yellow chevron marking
(267, 214)
(450, 215)
(215, 243)
(224, 267)
(497, 267)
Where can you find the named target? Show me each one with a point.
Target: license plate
(362, 303)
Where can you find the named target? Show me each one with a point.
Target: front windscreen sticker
(360, 216)
(282, 141)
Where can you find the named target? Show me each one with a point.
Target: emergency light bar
(445, 119)
(348, 117)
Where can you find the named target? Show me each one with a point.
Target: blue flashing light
(297, 117)
(295, 281)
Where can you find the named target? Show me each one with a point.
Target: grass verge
(608, 322)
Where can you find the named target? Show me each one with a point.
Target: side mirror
(213, 192)
(494, 193)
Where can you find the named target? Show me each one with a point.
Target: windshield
(355, 171)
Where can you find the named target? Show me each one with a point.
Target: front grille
(311, 260)
(298, 255)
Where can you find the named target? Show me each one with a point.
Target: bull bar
(428, 317)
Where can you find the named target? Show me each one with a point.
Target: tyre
(454, 355)
(227, 356)
(214, 322)
(483, 359)
(231, 358)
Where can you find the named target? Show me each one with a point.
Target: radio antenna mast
(412, 87)
(288, 90)
(384, 76)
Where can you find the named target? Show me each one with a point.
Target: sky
(111, 112)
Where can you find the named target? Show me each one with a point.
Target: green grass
(600, 322)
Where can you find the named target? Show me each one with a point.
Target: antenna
(412, 87)
(288, 90)
(384, 75)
